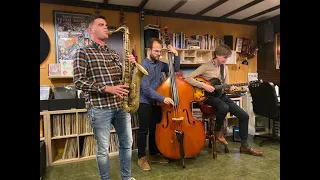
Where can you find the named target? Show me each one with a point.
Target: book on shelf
(114, 143)
(135, 139)
(180, 40)
(134, 120)
(84, 124)
(89, 146)
(70, 149)
(63, 125)
(41, 126)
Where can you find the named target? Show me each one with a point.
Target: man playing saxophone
(98, 73)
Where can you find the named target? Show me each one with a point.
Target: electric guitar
(201, 94)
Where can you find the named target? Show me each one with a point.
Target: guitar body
(201, 94)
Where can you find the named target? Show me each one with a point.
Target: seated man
(222, 104)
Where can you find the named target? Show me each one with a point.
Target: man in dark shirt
(97, 72)
(149, 113)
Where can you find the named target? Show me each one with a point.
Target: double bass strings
(174, 92)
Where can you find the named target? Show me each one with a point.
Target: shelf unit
(69, 136)
(239, 102)
(44, 132)
(194, 57)
(60, 77)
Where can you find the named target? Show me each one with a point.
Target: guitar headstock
(256, 83)
(166, 35)
(134, 52)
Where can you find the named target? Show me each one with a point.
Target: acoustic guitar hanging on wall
(246, 48)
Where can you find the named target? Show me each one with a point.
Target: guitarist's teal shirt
(207, 71)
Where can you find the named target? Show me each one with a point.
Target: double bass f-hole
(187, 113)
(167, 120)
(177, 119)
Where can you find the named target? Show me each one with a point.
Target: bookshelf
(194, 57)
(69, 136)
(193, 49)
(43, 131)
(60, 77)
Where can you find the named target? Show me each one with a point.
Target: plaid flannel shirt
(94, 68)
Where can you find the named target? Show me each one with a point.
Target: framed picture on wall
(70, 30)
(277, 50)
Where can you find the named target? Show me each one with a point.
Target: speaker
(268, 33)
(43, 161)
(228, 40)
(150, 33)
(236, 134)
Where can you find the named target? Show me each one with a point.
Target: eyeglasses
(157, 51)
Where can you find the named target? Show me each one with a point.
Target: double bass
(179, 134)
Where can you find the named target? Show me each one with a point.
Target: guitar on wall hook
(122, 22)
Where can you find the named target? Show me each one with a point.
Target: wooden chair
(209, 115)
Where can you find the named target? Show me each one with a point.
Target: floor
(227, 166)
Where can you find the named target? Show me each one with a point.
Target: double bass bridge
(177, 119)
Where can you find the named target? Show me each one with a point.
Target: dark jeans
(223, 105)
(149, 116)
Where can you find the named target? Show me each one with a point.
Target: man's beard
(154, 58)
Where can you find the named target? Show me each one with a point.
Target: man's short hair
(222, 50)
(94, 17)
(150, 42)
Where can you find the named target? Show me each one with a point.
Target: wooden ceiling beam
(112, 7)
(142, 4)
(93, 5)
(190, 16)
(214, 5)
(241, 8)
(178, 5)
(262, 12)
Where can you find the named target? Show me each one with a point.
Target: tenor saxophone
(131, 74)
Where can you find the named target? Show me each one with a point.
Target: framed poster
(70, 33)
(277, 50)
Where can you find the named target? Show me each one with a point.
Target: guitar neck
(236, 84)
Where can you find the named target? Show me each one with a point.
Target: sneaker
(143, 164)
(132, 178)
(158, 159)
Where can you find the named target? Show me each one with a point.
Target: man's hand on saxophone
(119, 90)
(131, 58)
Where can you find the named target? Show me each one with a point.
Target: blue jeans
(101, 120)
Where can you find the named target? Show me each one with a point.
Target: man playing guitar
(222, 104)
